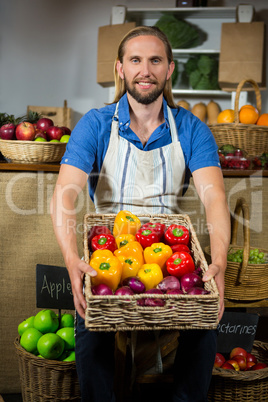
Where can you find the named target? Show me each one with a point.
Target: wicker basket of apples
(33, 140)
(241, 376)
(46, 358)
(232, 157)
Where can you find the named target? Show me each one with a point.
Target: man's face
(145, 68)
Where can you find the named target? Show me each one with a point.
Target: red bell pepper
(180, 263)
(96, 230)
(156, 227)
(146, 237)
(104, 242)
(177, 234)
(180, 247)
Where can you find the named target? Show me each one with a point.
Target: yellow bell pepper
(131, 257)
(157, 253)
(126, 222)
(124, 239)
(150, 275)
(108, 268)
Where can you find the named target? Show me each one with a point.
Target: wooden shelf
(245, 304)
(32, 167)
(184, 12)
(54, 167)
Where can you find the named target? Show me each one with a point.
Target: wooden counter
(54, 167)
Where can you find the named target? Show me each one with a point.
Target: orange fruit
(263, 120)
(250, 106)
(248, 115)
(226, 116)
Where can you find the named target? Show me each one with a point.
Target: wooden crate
(61, 116)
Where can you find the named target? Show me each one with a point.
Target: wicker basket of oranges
(245, 128)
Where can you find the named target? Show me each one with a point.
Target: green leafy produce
(33, 117)
(10, 118)
(202, 72)
(206, 64)
(191, 65)
(195, 77)
(180, 33)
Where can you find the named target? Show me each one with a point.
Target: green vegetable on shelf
(202, 71)
(180, 33)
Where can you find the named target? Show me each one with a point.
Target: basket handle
(241, 206)
(237, 96)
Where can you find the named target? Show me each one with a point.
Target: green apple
(55, 141)
(67, 320)
(29, 339)
(50, 346)
(70, 358)
(65, 138)
(63, 356)
(28, 323)
(40, 139)
(46, 321)
(67, 334)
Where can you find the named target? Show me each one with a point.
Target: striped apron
(147, 182)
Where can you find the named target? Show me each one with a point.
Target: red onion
(190, 280)
(135, 284)
(124, 290)
(154, 302)
(197, 291)
(168, 283)
(101, 290)
(174, 292)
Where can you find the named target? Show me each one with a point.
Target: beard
(147, 98)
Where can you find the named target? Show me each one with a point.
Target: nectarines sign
(53, 287)
(237, 329)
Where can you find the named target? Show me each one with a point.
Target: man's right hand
(77, 271)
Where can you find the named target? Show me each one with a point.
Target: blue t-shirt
(90, 138)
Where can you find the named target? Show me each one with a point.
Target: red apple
(234, 364)
(40, 133)
(54, 133)
(251, 358)
(44, 123)
(25, 131)
(219, 360)
(241, 360)
(238, 351)
(227, 366)
(258, 366)
(249, 365)
(7, 131)
(66, 130)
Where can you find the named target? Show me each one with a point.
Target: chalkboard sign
(237, 329)
(53, 287)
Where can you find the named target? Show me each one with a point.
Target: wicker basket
(250, 137)
(46, 380)
(244, 281)
(32, 151)
(232, 386)
(122, 313)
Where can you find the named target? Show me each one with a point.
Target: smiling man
(137, 154)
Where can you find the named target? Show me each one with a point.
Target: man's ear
(170, 69)
(119, 68)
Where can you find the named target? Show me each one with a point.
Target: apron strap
(172, 125)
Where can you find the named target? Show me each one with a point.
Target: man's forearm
(218, 221)
(64, 222)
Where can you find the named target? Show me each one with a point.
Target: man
(138, 154)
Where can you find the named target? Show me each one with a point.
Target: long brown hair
(120, 88)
